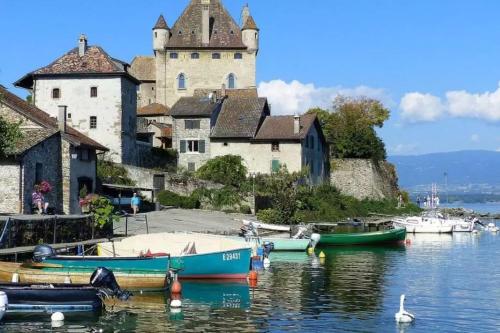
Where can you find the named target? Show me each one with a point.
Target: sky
(434, 64)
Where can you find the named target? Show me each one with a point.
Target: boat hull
(233, 264)
(365, 238)
(51, 298)
(130, 280)
(434, 228)
(288, 244)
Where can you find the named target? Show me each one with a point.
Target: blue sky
(434, 63)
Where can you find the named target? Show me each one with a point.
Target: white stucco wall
(147, 94)
(107, 107)
(202, 73)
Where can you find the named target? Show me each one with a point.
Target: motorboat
(423, 224)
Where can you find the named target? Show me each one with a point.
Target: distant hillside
(463, 167)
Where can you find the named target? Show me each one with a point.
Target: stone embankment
(462, 212)
(364, 178)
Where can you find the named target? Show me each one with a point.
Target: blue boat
(198, 256)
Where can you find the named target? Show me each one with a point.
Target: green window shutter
(275, 166)
(201, 146)
(183, 146)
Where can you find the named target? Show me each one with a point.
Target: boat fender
(310, 250)
(266, 262)
(176, 288)
(105, 281)
(176, 303)
(43, 252)
(253, 276)
(4, 302)
(322, 255)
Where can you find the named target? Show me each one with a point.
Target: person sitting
(38, 200)
(135, 202)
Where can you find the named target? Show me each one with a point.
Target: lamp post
(253, 190)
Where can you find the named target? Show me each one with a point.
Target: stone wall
(364, 178)
(181, 133)
(9, 187)
(143, 177)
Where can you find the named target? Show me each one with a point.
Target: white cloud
(417, 107)
(297, 97)
(475, 138)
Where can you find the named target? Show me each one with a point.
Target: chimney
(205, 22)
(82, 45)
(296, 124)
(61, 119)
(223, 91)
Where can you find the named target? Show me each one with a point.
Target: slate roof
(45, 120)
(154, 109)
(32, 137)
(250, 24)
(240, 117)
(281, 127)
(193, 106)
(161, 23)
(94, 61)
(143, 68)
(187, 30)
(238, 93)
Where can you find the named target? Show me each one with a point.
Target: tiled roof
(281, 128)
(94, 61)
(187, 30)
(166, 129)
(250, 24)
(43, 119)
(193, 106)
(161, 23)
(238, 93)
(31, 137)
(154, 109)
(143, 68)
(240, 117)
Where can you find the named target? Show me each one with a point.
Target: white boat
(423, 224)
(266, 226)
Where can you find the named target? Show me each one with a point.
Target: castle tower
(161, 34)
(249, 31)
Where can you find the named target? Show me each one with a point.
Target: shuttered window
(192, 146)
(183, 146)
(201, 146)
(275, 165)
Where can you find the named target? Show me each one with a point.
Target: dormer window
(195, 55)
(215, 55)
(238, 56)
(56, 93)
(174, 55)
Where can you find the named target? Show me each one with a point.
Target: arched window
(238, 56)
(195, 55)
(173, 55)
(215, 55)
(181, 81)
(231, 81)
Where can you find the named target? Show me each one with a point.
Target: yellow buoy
(310, 250)
(322, 255)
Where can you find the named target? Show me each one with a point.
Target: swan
(402, 316)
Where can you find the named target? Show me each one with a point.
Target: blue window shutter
(183, 146)
(201, 146)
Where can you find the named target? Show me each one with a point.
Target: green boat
(364, 238)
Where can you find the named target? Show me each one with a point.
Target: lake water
(451, 284)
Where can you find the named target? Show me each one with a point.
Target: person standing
(134, 203)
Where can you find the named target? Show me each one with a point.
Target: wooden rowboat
(364, 238)
(52, 273)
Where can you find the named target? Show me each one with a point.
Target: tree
(227, 170)
(350, 127)
(10, 134)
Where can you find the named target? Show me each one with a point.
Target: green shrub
(109, 172)
(168, 198)
(226, 170)
(102, 211)
(245, 209)
(269, 215)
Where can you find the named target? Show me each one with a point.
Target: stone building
(99, 92)
(155, 119)
(238, 122)
(49, 150)
(204, 49)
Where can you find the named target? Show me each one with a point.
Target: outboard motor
(268, 247)
(105, 280)
(43, 252)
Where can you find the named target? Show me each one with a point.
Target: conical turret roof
(161, 23)
(250, 24)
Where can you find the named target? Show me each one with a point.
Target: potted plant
(45, 187)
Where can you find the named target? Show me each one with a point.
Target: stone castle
(204, 49)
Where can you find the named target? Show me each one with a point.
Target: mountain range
(468, 169)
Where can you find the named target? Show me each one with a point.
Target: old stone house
(155, 120)
(99, 92)
(238, 122)
(202, 50)
(49, 150)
